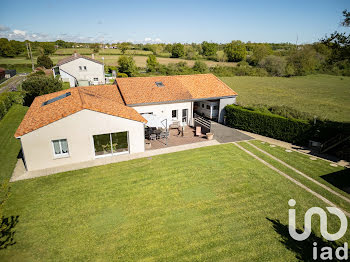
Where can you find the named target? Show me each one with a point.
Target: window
(159, 84)
(174, 114)
(56, 99)
(111, 144)
(215, 107)
(202, 105)
(80, 68)
(85, 68)
(184, 115)
(208, 106)
(95, 78)
(150, 113)
(60, 147)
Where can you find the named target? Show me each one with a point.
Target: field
(324, 96)
(218, 204)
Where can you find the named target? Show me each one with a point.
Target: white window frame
(60, 155)
(184, 117)
(95, 79)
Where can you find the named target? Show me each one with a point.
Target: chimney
(75, 53)
(93, 56)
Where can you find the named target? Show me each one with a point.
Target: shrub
(235, 51)
(268, 124)
(122, 75)
(200, 67)
(8, 99)
(126, 64)
(44, 61)
(177, 50)
(275, 65)
(40, 85)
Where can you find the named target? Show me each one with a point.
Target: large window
(60, 148)
(174, 114)
(111, 144)
(184, 115)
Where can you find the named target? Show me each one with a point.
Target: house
(80, 70)
(10, 73)
(84, 123)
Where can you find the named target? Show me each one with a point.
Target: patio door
(111, 144)
(184, 116)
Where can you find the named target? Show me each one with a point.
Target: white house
(80, 70)
(84, 123)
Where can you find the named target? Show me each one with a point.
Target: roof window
(159, 84)
(56, 99)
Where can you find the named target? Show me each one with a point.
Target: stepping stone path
(272, 146)
(335, 165)
(313, 158)
(288, 150)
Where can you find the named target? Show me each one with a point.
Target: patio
(176, 138)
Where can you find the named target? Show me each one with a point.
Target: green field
(10, 146)
(324, 96)
(217, 204)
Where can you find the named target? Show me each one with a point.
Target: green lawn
(312, 168)
(322, 95)
(10, 146)
(212, 203)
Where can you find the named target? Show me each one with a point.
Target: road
(11, 83)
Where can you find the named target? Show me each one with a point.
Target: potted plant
(210, 136)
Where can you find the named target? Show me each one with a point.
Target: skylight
(159, 84)
(56, 99)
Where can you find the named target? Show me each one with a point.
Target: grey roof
(76, 56)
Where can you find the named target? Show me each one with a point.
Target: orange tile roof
(143, 90)
(105, 99)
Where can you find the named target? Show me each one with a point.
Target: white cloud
(149, 40)
(19, 32)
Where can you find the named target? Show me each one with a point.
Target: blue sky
(172, 21)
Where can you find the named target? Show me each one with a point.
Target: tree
(152, 63)
(126, 64)
(95, 47)
(235, 51)
(275, 65)
(123, 47)
(177, 50)
(209, 49)
(200, 67)
(304, 61)
(259, 52)
(45, 61)
(40, 85)
(6, 49)
(47, 48)
(346, 21)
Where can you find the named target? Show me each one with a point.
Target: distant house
(80, 70)
(10, 73)
(84, 123)
(2, 73)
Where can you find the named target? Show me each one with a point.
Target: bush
(126, 64)
(275, 65)
(8, 99)
(235, 51)
(200, 67)
(122, 75)
(39, 85)
(268, 124)
(177, 50)
(44, 61)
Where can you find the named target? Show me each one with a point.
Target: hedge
(268, 124)
(279, 127)
(8, 99)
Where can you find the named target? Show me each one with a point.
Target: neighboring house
(80, 70)
(10, 73)
(83, 123)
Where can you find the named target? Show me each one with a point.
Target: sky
(168, 21)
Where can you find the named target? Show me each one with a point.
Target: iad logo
(326, 251)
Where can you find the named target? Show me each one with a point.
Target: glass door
(184, 115)
(102, 144)
(120, 142)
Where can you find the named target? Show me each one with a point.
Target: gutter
(180, 101)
